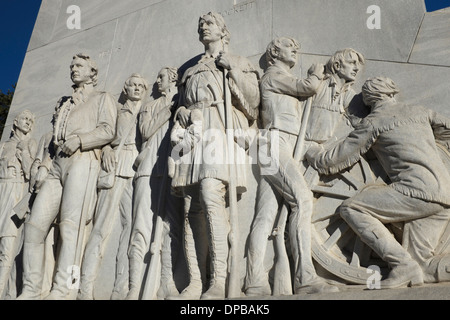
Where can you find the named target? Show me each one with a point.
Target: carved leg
(195, 247)
(257, 278)
(213, 203)
(33, 263)
(167, 287)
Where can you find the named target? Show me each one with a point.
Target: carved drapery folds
(358, 182)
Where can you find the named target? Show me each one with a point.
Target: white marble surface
(433, 41)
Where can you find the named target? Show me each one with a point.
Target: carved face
(135, 89)
(208, 30)
(288, 53)
(24, 123)
(349, 68)
(163, 81)
(80, 71)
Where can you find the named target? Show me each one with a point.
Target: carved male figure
(115, 204)
(16, 158)
(403, 138)
(332, 109)
(329, 119)
(149, 195)
(203, 179)
(282, 113)
(84, 123)
(40, 169)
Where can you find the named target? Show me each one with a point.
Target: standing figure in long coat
(202, 175)
(83, 124)
(16, 159)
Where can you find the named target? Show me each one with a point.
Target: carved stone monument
(254, 166)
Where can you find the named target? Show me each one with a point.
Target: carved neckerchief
(338, 93)
(126, 120)
(80, 95)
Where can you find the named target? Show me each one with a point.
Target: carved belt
(205, 104)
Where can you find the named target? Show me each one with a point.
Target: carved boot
(195, 254)
(136, 265)
(87, 288)
(404, 270)
(89, 268)
(4, 276)
(167, 287)
(66, 280)
(33, 265)
(219, 261)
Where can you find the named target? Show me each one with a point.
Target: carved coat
(126, 125)
(154, 127)
(203, 88)
(14, 177)
(404, 140)
(280, 93)
(328, 116)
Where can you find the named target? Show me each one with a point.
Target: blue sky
(17, 18)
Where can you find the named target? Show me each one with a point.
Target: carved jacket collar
(81, 93)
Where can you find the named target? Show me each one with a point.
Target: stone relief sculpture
(321, 116)
(41, 167)
(282, 114)
(154, 207)
(352, 188)
(16, 158)
(415, 193)
(115, 203)
(202, 181)
(84, 123)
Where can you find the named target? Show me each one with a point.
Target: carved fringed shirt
(203, 89)
(404, 140)
(328, 112)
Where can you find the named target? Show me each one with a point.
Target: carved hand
(317, 69)
(313, 153)
(108, 160)
(19, 154)
(184, 117)
(40, 177)
(223, 61)
(71, 145)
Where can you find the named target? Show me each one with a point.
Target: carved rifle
(283, 283)
(152, 280)
(234, 282)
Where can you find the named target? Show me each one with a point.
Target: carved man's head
(378, 89)
(283, 49)
(24, 122)
(345, 64)
(135, 87)
(212, 28)
(167, 79)
(83, 70)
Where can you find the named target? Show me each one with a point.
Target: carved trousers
(147, 199)
(9, 249)
(114, 208)
(286, 185)
(206, 229)
(69, 189)
(377, 205)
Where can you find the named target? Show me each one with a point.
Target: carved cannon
(335, 247)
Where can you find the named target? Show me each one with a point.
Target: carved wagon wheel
(335, 246)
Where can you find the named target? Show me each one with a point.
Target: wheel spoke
(337, 234)
(357, 252)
